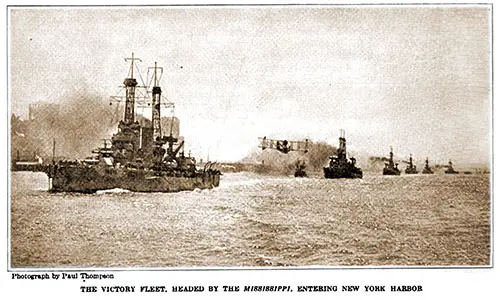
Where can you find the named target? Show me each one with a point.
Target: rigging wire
(167, 103)
(115, 114)
(140, 75)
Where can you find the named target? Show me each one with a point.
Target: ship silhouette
(391, 168)
(450, 169)
(411, 168)
(341, 167)
(300, 169)
(427, 169)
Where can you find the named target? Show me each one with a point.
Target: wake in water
(113, 191)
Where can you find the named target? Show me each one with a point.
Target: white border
(447, 282)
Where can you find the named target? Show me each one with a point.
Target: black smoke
(270, 161)
(78, 123)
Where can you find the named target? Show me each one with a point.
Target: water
(255, 220)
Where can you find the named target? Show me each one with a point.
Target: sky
(416, 78)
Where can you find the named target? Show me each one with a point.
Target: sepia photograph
(249, 136)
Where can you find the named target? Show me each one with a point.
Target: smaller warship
(427, 169)
(285, 146)
(340, 166)
(411, 168)
(300, 169)
(450, 169)
(391, 168)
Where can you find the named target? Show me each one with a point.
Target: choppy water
(255, 220)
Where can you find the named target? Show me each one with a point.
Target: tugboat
(300, 169)
(391, 168)
(136, 159)
(340, 166)
(427, 169)
(450, 169)
(411, 168)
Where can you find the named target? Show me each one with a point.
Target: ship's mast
(156, 108)
(391, 156)
(130, 84)
(341, 152)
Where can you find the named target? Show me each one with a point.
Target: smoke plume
(271, 161)
(78, 123)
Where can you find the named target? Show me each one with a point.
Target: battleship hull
(83, 179)
(427, 171)
(394, 172)
(332, 173)
(411, 171)
(300, 173)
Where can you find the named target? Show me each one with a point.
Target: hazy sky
(415, 78)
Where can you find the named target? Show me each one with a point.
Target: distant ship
(427, 169)
(34, 164)
(450, 169)
(391, 168)
(137, 159)
(300, 169)
(411, 168)
(340, 166)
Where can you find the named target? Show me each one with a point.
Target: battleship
(139, 159)
(391, 168)
(450, 169)
(427, 169)
(411, 168)
(340, 166)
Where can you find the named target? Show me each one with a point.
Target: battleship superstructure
(427, 169)
(137, 159)
(391, 168)
(411, 168)
(340, 166)
(450, 169)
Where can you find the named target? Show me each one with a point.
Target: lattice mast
(130, 84)
(156, 115)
